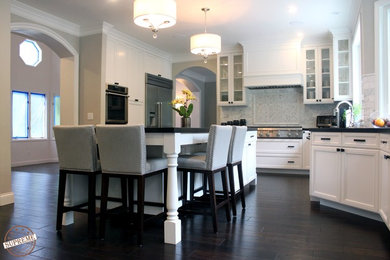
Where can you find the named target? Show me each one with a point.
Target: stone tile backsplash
(276, 107)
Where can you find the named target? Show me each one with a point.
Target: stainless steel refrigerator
(159, 94)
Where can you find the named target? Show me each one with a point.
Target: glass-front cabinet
(342, 68)
(318, 87)
(230, 83)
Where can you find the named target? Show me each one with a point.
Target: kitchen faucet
(336, 111)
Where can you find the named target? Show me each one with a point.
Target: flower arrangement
(185, 108)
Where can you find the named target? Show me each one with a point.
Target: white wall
(6, 195)
(45, 78)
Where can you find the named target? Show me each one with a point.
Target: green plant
(182, 105)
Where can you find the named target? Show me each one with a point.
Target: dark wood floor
(279, 223)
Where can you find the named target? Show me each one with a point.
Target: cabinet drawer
(251, 136)
(363, 140)
(278, 146)
(279, 162)
(384, 142)
(329, 139)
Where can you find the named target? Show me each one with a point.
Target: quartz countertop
(182, 130)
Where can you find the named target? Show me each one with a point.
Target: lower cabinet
(345, 174)
(359, 183)
(325, 173)
(384, 180)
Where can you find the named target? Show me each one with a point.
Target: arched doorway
(64, 66)
(202, 82)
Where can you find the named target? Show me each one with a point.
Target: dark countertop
(350, 130)
(182, 130)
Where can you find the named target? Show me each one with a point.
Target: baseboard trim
(6, 198)
(283, 171)
(33, 162)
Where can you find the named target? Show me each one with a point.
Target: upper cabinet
(342, 67)
(230, 87)
(318, 80)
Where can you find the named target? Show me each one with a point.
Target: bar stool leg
(213, 202)
(184, 187)
(103, 204)
(92, 204)
(140, 208)
(130, 184)
(226, 195)
(232, 189)
(124, 192)
(61, 197)
(240, 178)
(192, 185)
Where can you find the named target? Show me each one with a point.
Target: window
(28, 115)
(56, 109)
(382, 42)
(30, 53)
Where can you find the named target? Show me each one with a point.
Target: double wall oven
(116, 104)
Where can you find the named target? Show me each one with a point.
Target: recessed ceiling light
(292, 9)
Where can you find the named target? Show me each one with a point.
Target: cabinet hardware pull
(359, 140)
(249, 144)
(386, 157)
(325, 139)
(338, 150)
(252, 136)
(308, 137)
(136, 100)
(290, 146)
(342, 150)
(384, 142)
(291, 161)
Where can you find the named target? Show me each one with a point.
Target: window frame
(29, 138)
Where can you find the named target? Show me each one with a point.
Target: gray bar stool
(236, 149)
(212, 162)
(77, 154)
(122, 151)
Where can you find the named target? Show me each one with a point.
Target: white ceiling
(235, 20)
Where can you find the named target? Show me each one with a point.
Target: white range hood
(268, 64)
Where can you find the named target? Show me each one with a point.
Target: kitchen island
(170, 139)
(350, 170)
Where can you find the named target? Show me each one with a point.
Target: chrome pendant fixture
(154, 14)
(205, 44)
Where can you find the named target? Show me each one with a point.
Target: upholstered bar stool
(77, 154)
(212, 162)
(122, 151)
(236, 149)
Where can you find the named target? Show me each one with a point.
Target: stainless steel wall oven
(116, 104)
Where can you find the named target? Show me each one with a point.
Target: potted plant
(184, 107)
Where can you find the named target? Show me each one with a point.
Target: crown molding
(133, 42)
(45, 18)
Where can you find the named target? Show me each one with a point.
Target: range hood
(272, 64)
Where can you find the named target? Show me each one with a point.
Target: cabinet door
(342, 71)
(238, 89)
(384, 195)
(223, 79)
(325, 94)
(360, 178)
(325, 173)
(310, 94)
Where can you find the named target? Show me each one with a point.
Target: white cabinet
(384, 179)
(306, 144)
(230, 89)
(345, 173)
(342, 66)
(249, 158)
(318, 82)
(127, 65)
(360, 178)
(279, 153)
(325, 172)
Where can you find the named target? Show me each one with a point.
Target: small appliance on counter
(242, 121)
(326, 121)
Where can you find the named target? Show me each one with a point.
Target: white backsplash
(276, 107)
(369, 95)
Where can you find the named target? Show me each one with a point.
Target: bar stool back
(77, 154)
(122, 151)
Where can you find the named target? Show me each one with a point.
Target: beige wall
(91, 78)
(6, 195)
(67, 91)
(367, 15)
(179, 67)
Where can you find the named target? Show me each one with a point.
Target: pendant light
(154, 14)
(205, 44)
